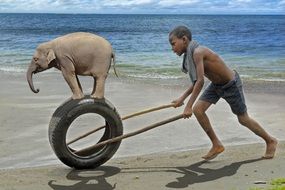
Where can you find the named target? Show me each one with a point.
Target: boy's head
(179, 39)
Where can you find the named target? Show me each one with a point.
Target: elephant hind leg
(94, 86)
(99, 87)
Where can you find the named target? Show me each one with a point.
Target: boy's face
(179, 45)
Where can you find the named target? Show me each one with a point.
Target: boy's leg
(199, 111)
(234, 95)
(271, 142)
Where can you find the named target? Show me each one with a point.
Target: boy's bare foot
(270, 149)
(214, 152)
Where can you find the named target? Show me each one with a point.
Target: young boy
(200, 61)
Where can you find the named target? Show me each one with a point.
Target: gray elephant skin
(75, 54)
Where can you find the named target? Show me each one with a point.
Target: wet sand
(240, 167)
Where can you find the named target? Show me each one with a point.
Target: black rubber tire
(61, 120)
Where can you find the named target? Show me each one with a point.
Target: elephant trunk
(30, 73)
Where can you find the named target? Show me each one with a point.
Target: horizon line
(241, 14)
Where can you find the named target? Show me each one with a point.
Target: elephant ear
(50, 56)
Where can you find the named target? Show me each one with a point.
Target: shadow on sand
(88, 179)
(196, 174)
(96, 178)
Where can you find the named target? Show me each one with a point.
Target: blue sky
(144, 6)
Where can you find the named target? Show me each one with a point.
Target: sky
(144, 6)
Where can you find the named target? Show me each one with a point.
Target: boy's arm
(198, 60)
(187, 92)
(180, 100)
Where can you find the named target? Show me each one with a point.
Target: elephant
(79, 53)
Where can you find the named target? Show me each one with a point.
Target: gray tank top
(188, 65)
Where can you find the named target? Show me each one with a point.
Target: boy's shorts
(232, 92)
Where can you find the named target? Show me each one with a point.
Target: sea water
(252, 44)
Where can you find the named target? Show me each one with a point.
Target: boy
(200, 61)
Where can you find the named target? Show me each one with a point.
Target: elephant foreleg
(99, 87)
(78, 82)
(73, 83)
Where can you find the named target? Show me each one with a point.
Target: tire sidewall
(62, 120)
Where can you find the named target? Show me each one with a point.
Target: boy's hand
(187, 112)
(177, 103)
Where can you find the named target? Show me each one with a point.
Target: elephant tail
(114, 62)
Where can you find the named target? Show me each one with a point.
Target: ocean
(252, 44)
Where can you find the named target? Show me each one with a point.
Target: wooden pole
(123, 118)
(147, 111)
(86, 134)
(86, 150)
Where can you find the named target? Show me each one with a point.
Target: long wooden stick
(123, 118)
(147, 111)
(86, 150)
(85, 135)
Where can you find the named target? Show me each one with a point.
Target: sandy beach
(168, 157)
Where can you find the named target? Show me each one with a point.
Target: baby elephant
(75, 54)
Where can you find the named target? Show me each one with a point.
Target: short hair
(181, 31)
